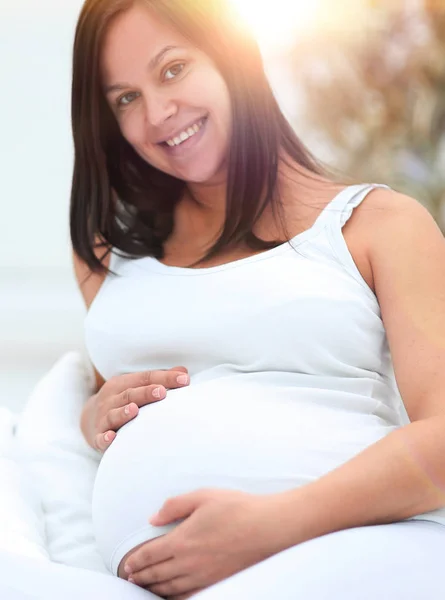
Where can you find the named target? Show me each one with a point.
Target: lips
(184, 129)
(178, 151)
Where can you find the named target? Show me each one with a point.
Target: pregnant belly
(211, 435)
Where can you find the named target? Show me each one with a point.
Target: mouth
(187, 139)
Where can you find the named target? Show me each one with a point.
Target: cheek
(131, 126)
(208, 89)
(220, 103)
(226, 114)
(223, 116)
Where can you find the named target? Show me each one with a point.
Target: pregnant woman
(307, 317)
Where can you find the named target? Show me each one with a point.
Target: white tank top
(291, 374)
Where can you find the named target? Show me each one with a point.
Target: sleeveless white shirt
(291, 375)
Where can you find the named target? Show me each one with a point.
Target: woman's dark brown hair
(119, 198)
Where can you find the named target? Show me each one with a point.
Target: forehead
(132, 39)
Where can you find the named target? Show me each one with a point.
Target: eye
(174, 71)
(127, 99)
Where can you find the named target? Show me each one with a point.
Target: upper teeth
(185, 135)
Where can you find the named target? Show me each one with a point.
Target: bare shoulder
(374, 224)
(388, 218)
(89, 282)
(387, 207)
(388, 224)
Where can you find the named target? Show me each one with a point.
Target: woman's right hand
(118, 401)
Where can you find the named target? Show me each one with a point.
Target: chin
(199, 171)
(202, 178)
(205, 174)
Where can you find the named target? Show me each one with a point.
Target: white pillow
(21, 516)
(60, 461)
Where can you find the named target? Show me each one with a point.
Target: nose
(159, 108)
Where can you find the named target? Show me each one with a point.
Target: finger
(104, 440)
(117, 417)
(167, 378)
(151, 553)
(160, 573)
(175, 587)
(140, 396)
(178, 507)
(121, 409)
(185, 596)
(182, 369)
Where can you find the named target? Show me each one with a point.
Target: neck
(202, 212)
(209, 198)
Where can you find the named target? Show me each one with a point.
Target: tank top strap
(340, 209)
(337, 213)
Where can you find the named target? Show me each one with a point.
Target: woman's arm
(403, 474)
(398, 477)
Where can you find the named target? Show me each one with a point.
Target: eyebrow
(151, 65)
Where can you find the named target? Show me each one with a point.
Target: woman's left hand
(223, 533)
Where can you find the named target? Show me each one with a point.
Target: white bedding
(21, 516)
(47, 471)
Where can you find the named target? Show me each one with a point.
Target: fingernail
(153, 518)
(131, 580)
(127, 569)
(183, 379)
(127, 410)
(158, 393)
(107, 437)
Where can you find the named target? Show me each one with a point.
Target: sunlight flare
(276, 23)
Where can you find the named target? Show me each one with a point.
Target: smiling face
(171, 103)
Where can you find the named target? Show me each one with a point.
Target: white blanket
(47, 471)
(21, 516)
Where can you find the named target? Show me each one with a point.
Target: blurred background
(362, 81)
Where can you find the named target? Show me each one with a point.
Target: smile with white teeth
(185, 135)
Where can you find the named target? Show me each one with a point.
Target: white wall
(41, 311)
